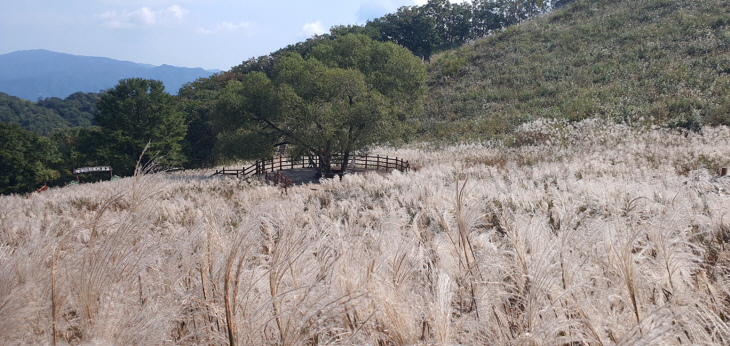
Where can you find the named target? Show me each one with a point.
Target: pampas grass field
(579, 234)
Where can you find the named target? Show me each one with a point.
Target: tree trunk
(346, 156)
(325, 166)
(345, 161)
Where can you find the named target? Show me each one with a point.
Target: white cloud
(144, 16)
(177, 11)
(225, 27)
(311, 29)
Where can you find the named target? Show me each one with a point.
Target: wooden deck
(286, 172)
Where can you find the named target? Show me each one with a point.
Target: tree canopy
(27, 159)
(344, 95)
(133, 113)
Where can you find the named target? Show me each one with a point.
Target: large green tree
(133, 113)
(346, 94)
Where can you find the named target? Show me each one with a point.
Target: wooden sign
(92, 169)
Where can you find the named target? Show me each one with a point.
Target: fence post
(386, 163)
(377, 165)
(723, 171)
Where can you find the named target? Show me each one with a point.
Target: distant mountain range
(31, 74)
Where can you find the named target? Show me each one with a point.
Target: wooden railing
(264, 166)
(237, 172)
(378, 162)
(279, 178)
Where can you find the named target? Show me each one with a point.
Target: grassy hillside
(658, 61)
(605, 236)
(47, 115)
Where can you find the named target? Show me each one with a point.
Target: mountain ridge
(40, 73)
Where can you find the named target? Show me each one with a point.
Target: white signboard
(92, 169)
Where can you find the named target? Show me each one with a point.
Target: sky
(212, 34)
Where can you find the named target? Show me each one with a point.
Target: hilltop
(663, 62)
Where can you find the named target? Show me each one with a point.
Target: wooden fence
(265, 166)
(279, 178)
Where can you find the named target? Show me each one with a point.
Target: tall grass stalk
(603, 235)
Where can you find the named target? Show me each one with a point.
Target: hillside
(661, 61)
(46, 115)
(34, 74)
(609, 235)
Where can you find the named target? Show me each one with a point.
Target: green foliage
(387, 68)
(346, 94)
(26, 160)
(331, 110)
(437, 25)
(78, 109)
(77, 147)
(411, 28)
(639, 62)
(14, 110)
(49, 114)
(69, 148)
(440, 24)
(242, 144)
(197, 100)
(240, 109)
(133, 113)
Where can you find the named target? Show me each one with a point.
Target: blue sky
(212, 34)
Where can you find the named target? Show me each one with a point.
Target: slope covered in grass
(659, 61)
(603, 235)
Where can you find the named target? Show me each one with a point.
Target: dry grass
(600, 235)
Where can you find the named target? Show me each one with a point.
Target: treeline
(49, 114)
(437, 25)
(441, 24)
